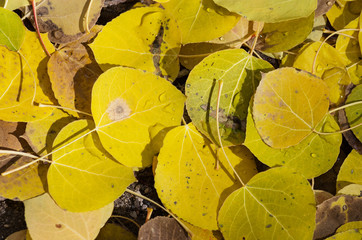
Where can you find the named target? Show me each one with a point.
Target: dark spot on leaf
(58, 225)
(268, 226)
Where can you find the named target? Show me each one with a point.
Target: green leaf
(200, 20)
(312, 157)
(240, 73)
(143, 38)
(282, 36)
(82, 176)
(270, 10)
(353, 113)
(351, 171)
(353, 234)
(12, 31)
(349, 226)
(132, 110)
(288, 106)
(275, 204)
(46, 220)
(187, 180)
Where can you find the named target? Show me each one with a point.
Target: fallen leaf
(353, 113)
(188, 181)
(350, 171)
(126, 101)
(200, 20)
(270, 11)
(288, 106)
(343, 12)
(46, 220)
(160, 228)
(335, 212)
(275, 204)
(115, 232)
(67, 22)
(240, 73)
(12, 31)
(82, 176)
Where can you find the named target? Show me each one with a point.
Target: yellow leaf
(288, 106)
(187, 180)
(67, 22)
(132, 109)
(143, 38)
(23, 80)
(82, 176)
(46, 220)
(342, 12)
(200, 20)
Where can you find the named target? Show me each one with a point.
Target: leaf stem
(341, 131)
(218, 132)
(86, 20)
(325, 40)
(126, 218)
(37, 28)
(150, 200)
(345, 106)
(65, 108)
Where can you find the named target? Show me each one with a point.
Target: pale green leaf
(349, 226)
(282, 36)
(288, 106)
(132, 110)
(46, 220)
(143, 38)
(353, 234)
(353, 113)
(312, 157)
(240, 73)
(270, 10)
(12, 31)
(200, 20)
(351, 171)
(188, 181)
(82, 176)
(276, 204)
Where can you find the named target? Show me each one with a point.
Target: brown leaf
(161, 228)
(73, 71)
(323, 7)
(335, 212)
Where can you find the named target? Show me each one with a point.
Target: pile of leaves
(83, 106)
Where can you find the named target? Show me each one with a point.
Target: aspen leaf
(162, 228)
(12, 31)
(343, 12)
(72, 72)
(353, 234)
(347, 44)
(40, 134)
(24, 79)
(14, 4)
(351, 189)
(25, 183)
(351, 171)
(275, 204)
(20, 235)
(82, 176)
(282, 36)
(115, 232)
(349, 226)
(353, 113)
(240, 73)
(270, 10)
(126, 101)
(360, 32)
(312, 157)
(186, 179)
(200, 20)
(202, 234)
(67, 22)
(146, 39)
(288, 106)
(335, 212)
(46, 220)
